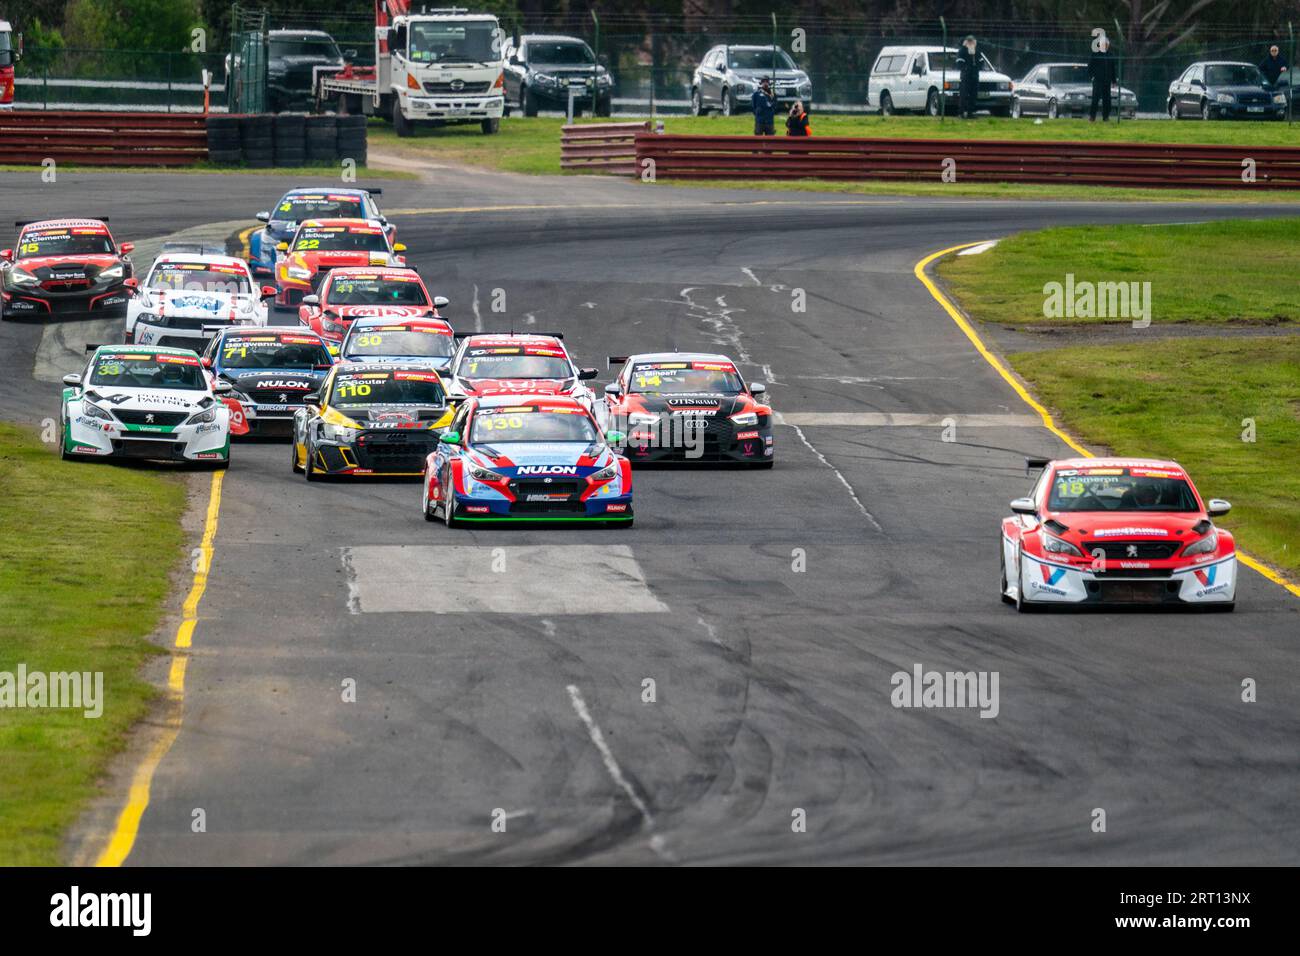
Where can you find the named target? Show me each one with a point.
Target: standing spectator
(764, 109)
(968, 68)
(1273, 66)
(1101, 70)
(796, 124)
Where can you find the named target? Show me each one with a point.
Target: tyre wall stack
(264, 141)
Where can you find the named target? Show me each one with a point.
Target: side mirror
(7, 255)
(311, 398)
(450, 438)
(588, 373)
(1024, 506)
(126, 248)
(132, 285)
(613, 388)
(206, 361)
(399, 247)
(615, 438)
(757, 388)
(222, 388)
(268, 292)
(74, 380)
(1217, 507)
(312, 300)
(440, 300)
(282, 247)
(263, 217)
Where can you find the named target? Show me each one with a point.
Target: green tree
(153, 25)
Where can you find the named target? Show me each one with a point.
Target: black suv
(540, 70)
(291, 59)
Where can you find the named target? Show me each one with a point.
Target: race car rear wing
(465, 335)
(91, 346)
(1036, 464)
(27, 222)
(612, 360)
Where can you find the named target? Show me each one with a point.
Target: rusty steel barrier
(608, 148)
(98, 138)
(1008, 161)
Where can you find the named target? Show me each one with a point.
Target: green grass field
(532, 145)
(86, 554)
(1190, 399)
(1220, 272)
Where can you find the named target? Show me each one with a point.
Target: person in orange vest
(797, 124)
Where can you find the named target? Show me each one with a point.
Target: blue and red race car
(519, 458)
(1116, 531)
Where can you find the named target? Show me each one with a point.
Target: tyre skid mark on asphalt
(127, 827)
(1048, 422)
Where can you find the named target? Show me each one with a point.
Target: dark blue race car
(307, 203)
(271, 369)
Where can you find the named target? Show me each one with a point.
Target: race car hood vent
(1054, 526)
(382, 413)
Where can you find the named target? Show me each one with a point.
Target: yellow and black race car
(370, 419)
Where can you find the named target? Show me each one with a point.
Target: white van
(907, 78)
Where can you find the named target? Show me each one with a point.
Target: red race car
(65, 267)
(689, 406)
(320, 245)
(517, 363)
(1116, 531)
(347, 294)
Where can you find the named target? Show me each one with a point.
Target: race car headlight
(1055, 545)
(112, 273)
(297, 272)
(1207, 545)
(485, 474)
(22, 277)
(642, 418)
(208, 414)
(91, 410)
(1224, 98)
(329, 325)
(745, 419)
(338, 433)
(606, 473)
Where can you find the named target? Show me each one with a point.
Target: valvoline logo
(1052, 575)
(1206, 575)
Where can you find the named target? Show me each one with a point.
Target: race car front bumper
(1047, 582)
(380, 452)
(699, 440)
(179, 332)
(38, 303)
(96, 438)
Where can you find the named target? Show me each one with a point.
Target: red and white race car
(1116, 531)
(65, 267)
(320, 245)
(510, 363)
(350, 293)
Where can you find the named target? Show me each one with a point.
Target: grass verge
(1193, 400)
(86, 553)
(532, 145)
(1213, 272)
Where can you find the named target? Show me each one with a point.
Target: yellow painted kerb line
(128, 821)
(244, 250)
(955, 314)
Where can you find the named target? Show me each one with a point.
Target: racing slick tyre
(1022, 606)
(402, 126)
(490, 126)
(1002, 567)
(322, 138)
(527, 103)
(449, 511)
(932, 103)
(430, 511)
(886, 104)
(293, 457)
(728, 103)
(308, 469)
(697, 105)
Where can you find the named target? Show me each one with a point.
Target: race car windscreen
(758, 60)
(398, 340)
(466, 41)
(1121, 489)
(514, 362)
(274, 351)
(395, 387)
(341, 239)
(197, 277)
(296, 208)
(376, 290)
(65, 242)
(676, 378)
(142, 370)
(531, 424)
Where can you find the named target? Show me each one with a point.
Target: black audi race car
(689, 406)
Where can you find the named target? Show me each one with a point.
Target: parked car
(1063, 89)
(912, 78)
(292, 57)
(540, 70)
(1224, 90)
(726, 79)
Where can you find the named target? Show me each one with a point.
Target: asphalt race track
(773, 684)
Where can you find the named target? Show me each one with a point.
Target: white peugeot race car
(145, 402)
(187, 298)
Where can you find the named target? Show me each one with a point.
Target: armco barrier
(608, 148)
(926, 160)
(102, 138)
